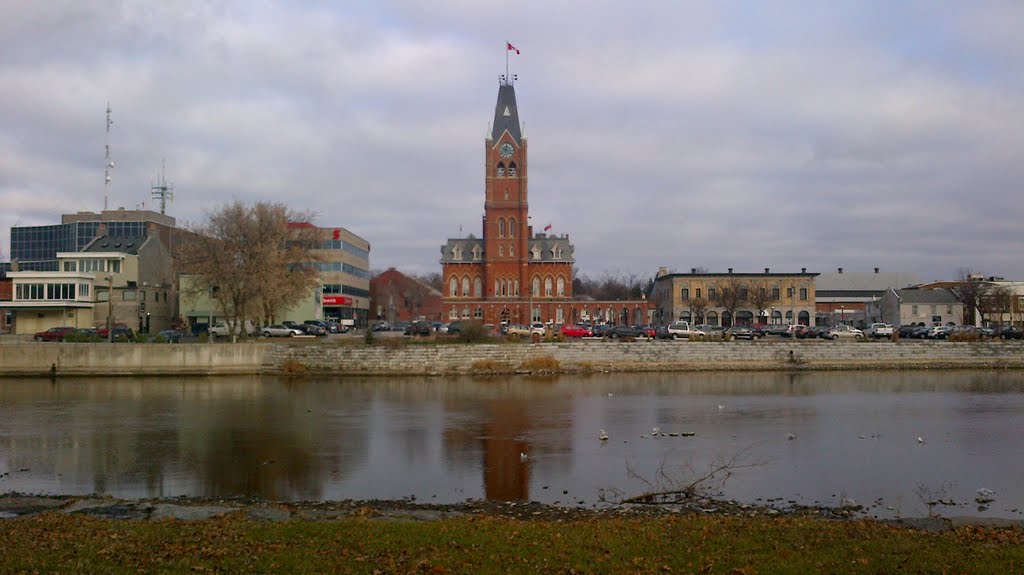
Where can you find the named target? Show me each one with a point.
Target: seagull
(603, 436)
(655, 431)
(790, 436)
(523, 456)
(920, 440)
(720, 407)
(985, 492)
(611, 394)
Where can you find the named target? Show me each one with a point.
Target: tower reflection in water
(506, 471)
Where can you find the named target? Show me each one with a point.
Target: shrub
(473, 331)
(490, 366)
(368, 337)
(544, 363)
(293, 367)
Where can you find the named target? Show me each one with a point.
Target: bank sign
(337, 300)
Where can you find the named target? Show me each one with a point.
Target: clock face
(506, 150)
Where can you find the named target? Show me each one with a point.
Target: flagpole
(506, 61)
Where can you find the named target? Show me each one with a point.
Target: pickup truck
(683, 329)
(879, 330)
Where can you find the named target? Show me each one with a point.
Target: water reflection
(445, 440)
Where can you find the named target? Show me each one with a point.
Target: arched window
(515, 287)
(497, 287)
(776, 316)
(712, 318)
(536, 287)
(804, 318)
(453, 314)
(511, 227)
(501, 169)
(465, 286)
(501, 227)
(453, 287)
(511, 250)
(547, 286)
(465, 313)
(560, 286)
(478, 286)
(501, 250)
(511, 169)
(684, 316)
(789, 317)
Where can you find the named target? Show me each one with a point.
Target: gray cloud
(706, 134)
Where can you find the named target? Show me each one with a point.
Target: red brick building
(395, 296)
(511, 274)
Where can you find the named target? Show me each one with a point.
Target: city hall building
(509, 273)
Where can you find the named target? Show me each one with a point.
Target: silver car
(278, 330)
(844, 331)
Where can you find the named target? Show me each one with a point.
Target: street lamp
(842, 312)
(772, 320)
(110, 308)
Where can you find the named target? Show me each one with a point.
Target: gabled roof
(506, 115)
(936, 296)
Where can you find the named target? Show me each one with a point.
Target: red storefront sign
(337, 300)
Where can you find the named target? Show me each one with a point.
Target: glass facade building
(35, 247)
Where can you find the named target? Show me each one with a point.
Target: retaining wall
(430, 359)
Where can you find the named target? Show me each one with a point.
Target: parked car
(223, 329)
(54, 333)
(646, 329)
(381, 326)
(742, 332)
(538, 328)
(454, 328)
(683, 329)
(518, 330)
(600, 329)
(314, 329)
(623, 332)
(120, 333)
(323, 324)
(938, 332)
(879, 330)
(1009, 332)
(439, 327)
(419, 328)
(576, 331)
(280, 330)
(845, 332)
(171, 335)
(816, 332)
(776, 329)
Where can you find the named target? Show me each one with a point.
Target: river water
(890, 441)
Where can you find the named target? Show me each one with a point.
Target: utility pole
(110, 308)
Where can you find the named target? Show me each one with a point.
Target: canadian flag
(509, 46)
(547, 228)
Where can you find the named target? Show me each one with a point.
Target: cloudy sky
(680, 134)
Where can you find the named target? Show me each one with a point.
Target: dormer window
(501, 169)
(457, 252)
(511, 169)
(556, 252)
(535, 252)
(476, 253)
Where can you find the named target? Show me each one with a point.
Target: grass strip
(58, 543)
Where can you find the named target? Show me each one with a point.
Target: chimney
(840, 270)
(765, 270)
(876, 270)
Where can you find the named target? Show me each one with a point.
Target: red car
(54, 334)
(576, 331)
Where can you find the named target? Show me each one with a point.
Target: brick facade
(511, 274)
(395, 296)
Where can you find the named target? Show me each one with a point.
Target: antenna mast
(108, 164)
(162, 190)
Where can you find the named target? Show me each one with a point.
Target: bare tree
(730, 296)
(433, 279)
(252, 260)
(969, 289)
(761, 296)
(996, 302)
(697, 307)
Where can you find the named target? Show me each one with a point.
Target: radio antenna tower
(162, 190)
(108, 164)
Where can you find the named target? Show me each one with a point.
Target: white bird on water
(656, 431)
(790, 436)
(920, 440)
(603, 436)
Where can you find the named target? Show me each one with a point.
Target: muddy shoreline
(16, 505)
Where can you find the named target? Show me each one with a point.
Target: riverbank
(186, 536)
(397, 357)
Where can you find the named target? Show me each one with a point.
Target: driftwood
(667, 489)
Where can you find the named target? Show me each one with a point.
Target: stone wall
(588, 356)
(402, 358)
